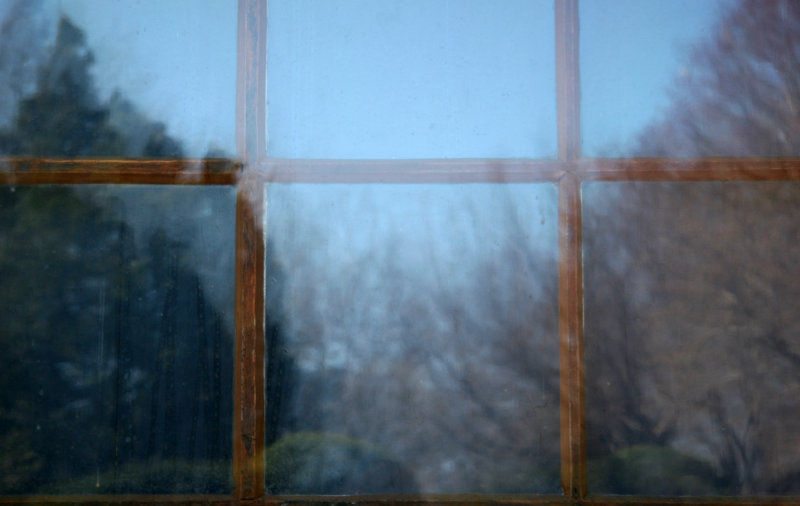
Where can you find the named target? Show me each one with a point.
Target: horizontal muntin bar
(30, 170)
(411, 171)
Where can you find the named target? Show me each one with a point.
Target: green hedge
(158, 477)
(652, 470)
(323, 463)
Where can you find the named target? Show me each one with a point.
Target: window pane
(687, 78)
(411, 79)
(412, 339)
(123, 78)
(117, 338)
(693, 337)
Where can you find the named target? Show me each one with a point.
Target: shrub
(322, 463)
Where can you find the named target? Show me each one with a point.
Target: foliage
(321, 463)
(739, 94)
(282, 373)
(523, 478)
(64, 117)
(691, 332)
(20, 54)
(158, 476)
(652, 470)
(98, 341)
(692, 352)
(115, 363)
(692, 349)
(449, 368)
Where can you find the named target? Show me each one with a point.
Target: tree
(281, 375)
(64, 117)
(117, 369)
(98, 341)
(447, 367)
(20, 55)
(738, 96)
(692, 342)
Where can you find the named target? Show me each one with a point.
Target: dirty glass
(123, 78)
(117, 339)
(411, 79)
(690, 79)
(692, 337)
(411, 336)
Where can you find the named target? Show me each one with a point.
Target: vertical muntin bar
(568, 79)
(249, 359)
(573, 425)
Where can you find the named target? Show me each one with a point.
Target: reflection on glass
(411, 79)
(123, 78)
(692, 337)
(412, 339)
(692, 79)
(117, 339)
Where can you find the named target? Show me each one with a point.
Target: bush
(322, 463)
(652, 470)
(163, 476)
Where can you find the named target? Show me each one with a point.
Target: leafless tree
(691, 293)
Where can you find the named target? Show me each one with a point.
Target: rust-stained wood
(434, 499)
(250, 145)
(29, 170)
(411, 171)
(570, 315)
(687, 169)
(378, 500)
(671, 501)
(568, 79)
(249, 388)
(570, 276)
(251, 80)
(491, 499)
(121, 499)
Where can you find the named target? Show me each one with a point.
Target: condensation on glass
(411, 79)
(116, 374)
(717, 78)
(411, 336)
(692, 337)
(122, 79)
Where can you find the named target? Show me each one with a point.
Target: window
(399, 267)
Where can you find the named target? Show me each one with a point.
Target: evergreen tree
(65, 117)
(115, 363)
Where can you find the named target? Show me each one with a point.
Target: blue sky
(411, 78)
(395, 78)
(465, 78)
(175, 59)
(631, 53)
(369, 246)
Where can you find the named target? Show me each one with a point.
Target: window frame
(253, 169)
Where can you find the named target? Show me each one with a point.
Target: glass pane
(123, 78)
(693, 337)
(411, 79)
(412, 339)
(117, 339)
(688, 78)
